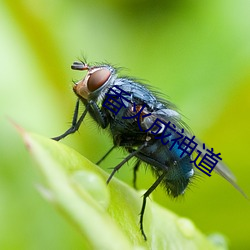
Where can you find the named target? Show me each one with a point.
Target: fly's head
(96, 80)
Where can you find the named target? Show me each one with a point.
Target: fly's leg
(145, 196)
(136, 167)
(124, 161)
(105, 155)
(93, 109)
(97, 114)
(75, 124)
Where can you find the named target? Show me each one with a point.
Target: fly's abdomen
(166, 159)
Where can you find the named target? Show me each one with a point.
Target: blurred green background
(195, 52)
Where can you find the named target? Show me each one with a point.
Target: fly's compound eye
(97, 79)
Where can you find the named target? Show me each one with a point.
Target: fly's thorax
(93, 85)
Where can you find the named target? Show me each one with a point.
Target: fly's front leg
(97, 114)
(75, 123)
(93, 109)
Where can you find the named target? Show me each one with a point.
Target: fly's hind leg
(145, 196)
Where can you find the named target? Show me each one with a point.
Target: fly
(139, 121)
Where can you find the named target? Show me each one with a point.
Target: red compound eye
(97, 79)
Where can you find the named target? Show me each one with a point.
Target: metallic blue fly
(148, 127)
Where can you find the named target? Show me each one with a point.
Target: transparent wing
(223, 171)
(175, 118)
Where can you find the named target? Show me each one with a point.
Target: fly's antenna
(80, 66)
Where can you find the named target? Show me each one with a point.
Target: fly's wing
(223, 171)
(174, 117)
(165, 115)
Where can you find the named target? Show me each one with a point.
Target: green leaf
(107, 215)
